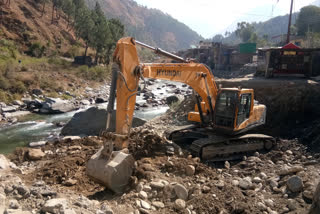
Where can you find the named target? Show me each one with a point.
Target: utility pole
(289, 25)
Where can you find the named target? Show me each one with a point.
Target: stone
(35, 154)
(4, 163)
(227, 165)
(56, 205)
(92, 122)
(181, 191)
(157, 185)
(10, 108)
(235, 182)
(206, 189)
(56, 106)
(180, 204)
(85, 102)
(190, 170)
(71, 138)
(143, 211)
(172, 99)
(71, 182)
(38, 144)
(23, 190)
(158, 204)
(261, 206)
(114, 173)
(147, 188)
(245, 183)
(36, 91)
(257, 180)
(13, 204)
(145, 205)
(292, 204)
(295, 184)
(18, 103)
(269, 202)
(143, 195)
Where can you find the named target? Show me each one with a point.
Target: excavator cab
(235, 112)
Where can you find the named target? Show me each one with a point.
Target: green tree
(84, 26)
(308, 20)
(245, 31)
(69, 8)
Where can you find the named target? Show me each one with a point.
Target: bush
(36, 50)
(17, 87)
(4, 83)
(96, 73)
(73, 51)
(4, 97)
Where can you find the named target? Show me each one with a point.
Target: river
(35, 127)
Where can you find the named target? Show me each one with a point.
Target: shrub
(73, 51)
(36, 50)
(4, 97)
(4, 83)
(17, 87)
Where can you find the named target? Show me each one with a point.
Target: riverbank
(166, 179)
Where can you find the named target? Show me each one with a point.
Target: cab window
(244, 108)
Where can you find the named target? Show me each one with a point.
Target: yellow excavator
(221, 115)
(218, 122)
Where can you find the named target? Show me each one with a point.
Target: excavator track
(213, 147)
(220, 148)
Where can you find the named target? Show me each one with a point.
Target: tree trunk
(43, 8)
(85, 52)
(52, 18)
(96, 58)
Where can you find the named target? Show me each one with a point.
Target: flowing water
(35, 127)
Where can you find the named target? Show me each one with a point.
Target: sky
(210, 17)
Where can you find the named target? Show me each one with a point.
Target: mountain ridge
(149, 25)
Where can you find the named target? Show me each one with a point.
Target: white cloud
(209, 17)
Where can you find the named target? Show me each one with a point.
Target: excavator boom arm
(196, 75)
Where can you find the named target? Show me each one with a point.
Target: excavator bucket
(111, 168)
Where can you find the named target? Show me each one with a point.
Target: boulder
(56, 106)
(16, 114)
(295, 184)
(38, 144)
(91, 122)
(114, 173)
(56, 205)
(4, 163)
(36, 91)
(101, 100)
(10, 108)
(85, 102)
(18, 103)
(172, 99)
(181, 191)
(35, 154)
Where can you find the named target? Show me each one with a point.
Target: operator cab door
(244, 108)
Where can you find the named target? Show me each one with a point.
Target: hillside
(22, 22)
(275, 26)
(150, 26)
